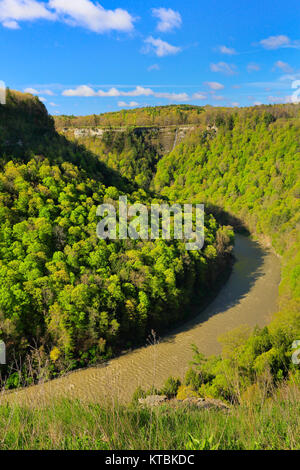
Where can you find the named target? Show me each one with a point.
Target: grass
(71, 425)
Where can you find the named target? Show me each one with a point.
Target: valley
(249, 297)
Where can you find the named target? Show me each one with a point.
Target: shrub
(171, 386)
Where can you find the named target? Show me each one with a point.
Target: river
(248, 298)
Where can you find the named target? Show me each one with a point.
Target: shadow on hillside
(225, 218)
(27, 131)
(246, 271)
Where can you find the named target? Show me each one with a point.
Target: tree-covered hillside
(150, 116)
(247, 165)
(26, 130)
(74, 298)
(133, 153)
(81, 299)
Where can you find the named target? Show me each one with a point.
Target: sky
(84, 57)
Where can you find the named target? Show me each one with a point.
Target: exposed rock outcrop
(201, 403)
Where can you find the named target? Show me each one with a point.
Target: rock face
(153, 400)
(201, 403)
(205, 403)
(167, 137)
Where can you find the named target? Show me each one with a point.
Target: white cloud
(226, 50)
(33, 91)
(280, 99)
(252, 67)
(41, 98)
(92, 16)
(13, 11)
(285, 67)
(276, 42)
(153, 67)
(214, 85)
(10, 24)
(159, 47)
(82, 13)
(172, 96)
(48, 92)
(138, 91)
(235, 104)
(53, 104)
(218, 97)
(168, 19)
(86, 91)
(199, 96)
(123, 104)
(223, 67)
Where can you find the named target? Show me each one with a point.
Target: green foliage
(133, 153)
(150, 116)
(60, 286)
(139, 393)
(204, 444)
(273, 424)
(171, 386)
(247, 165)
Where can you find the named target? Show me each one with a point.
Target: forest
(75, 299)
(79, 300)
(247, 167)
(149, 116)
(244, 164)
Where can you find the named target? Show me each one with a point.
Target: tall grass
(66, 424)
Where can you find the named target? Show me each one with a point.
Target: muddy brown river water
(248, 298)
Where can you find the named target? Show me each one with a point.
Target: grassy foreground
(271, 424)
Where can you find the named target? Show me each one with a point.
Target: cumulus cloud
(280, 99)
(172, 96)
(218, 97)
(153, 67)
(199, 96)
(168, 19)
(226, 50)
(82, 13)
(277, 42)
(123, 104)
(252, 67)
(33, 91)
(87, 91)
(10, 24)
(159, 47)
(214, 85)
(13, 11)
(284, 66)
(223, 67)
(274, 42)
(92, 16)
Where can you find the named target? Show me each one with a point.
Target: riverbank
(73, 425)
(249, 297)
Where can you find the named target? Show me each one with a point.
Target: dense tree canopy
(82, 299)
(61, 288)
(150, 116)
(249, 165)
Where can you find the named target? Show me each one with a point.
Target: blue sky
(84, 57)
